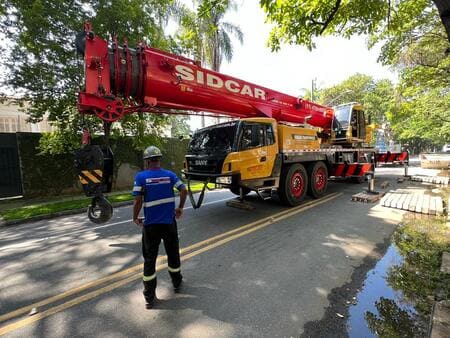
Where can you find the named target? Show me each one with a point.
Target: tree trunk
(443, 7)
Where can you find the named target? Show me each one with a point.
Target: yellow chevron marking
(82, 180)
(90, 176)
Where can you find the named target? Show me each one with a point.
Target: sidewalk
(51, 207)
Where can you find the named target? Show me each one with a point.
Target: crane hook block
(100, 210)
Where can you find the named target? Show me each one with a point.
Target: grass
(46, 208)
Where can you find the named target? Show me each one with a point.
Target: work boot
(177, 280)
(149, 293)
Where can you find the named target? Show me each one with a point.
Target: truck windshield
(218, 138)
(342, 115)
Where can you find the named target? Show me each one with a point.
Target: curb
(55, 215)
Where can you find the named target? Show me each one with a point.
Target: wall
(45, 175)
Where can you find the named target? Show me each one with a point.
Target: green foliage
(300, 21)
(423, 103)
(421, 243)
(392, 321)
(45, 173)
(180, 127)
(40, 56)
(418, 279)
(204, 35)
(377, 97)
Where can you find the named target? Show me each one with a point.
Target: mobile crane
(278, 143)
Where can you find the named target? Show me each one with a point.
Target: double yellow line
(133, 273)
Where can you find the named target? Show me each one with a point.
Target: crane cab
(349, 125)
(236, 153)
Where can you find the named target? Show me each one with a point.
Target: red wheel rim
(320, 178)
(297, 184)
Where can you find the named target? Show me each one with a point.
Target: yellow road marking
(247, 229)
(90, 176)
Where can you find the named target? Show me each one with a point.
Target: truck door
(257, 150)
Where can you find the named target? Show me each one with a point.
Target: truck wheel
(293, 184)
(235, 190)
(318, 179)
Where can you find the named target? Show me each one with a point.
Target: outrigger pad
(237, 203)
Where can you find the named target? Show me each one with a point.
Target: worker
(153, 188)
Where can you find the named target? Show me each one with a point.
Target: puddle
(379, 310)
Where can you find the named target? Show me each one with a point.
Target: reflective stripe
(157, 180)
(173, 270)
(148, 278)
(180, 182)
(158, 202)
(137, 188)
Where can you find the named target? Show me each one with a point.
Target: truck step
(265, 192)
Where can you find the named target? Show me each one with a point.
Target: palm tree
(206, 35)
(216, 37)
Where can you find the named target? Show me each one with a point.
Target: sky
(292, 69)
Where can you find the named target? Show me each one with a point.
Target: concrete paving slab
(407, 202)
(433, 205)
(419, 204)
(412, 204)
(439, 207)
(441, 320)
(445, 265)
(426, 204)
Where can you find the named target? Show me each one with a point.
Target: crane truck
(277, 143)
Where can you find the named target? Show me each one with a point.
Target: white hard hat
(152, 152)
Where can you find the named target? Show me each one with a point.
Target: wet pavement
(378, 309)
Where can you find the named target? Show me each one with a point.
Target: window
(13, 125)
(252, 136)
(4, 125)
(270, 137)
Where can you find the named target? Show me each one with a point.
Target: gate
(10, 172)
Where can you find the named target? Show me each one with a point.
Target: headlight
(223, 180)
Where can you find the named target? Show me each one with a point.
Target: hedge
(49, 175)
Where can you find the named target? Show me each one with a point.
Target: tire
(235, 190)
(318, 179)
(293, 184)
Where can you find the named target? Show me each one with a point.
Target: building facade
(13, 119)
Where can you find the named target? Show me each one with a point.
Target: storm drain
(414, 202)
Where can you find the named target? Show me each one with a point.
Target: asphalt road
(270, 272)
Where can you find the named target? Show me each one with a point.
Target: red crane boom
(120, 80)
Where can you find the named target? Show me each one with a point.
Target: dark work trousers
(151, 238)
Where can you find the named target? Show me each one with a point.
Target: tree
(42, 66)
(415, 35)
(423, 115)
(377, 97)
(392, 321)
(207, 35)
(204, 35)
(299, 21)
